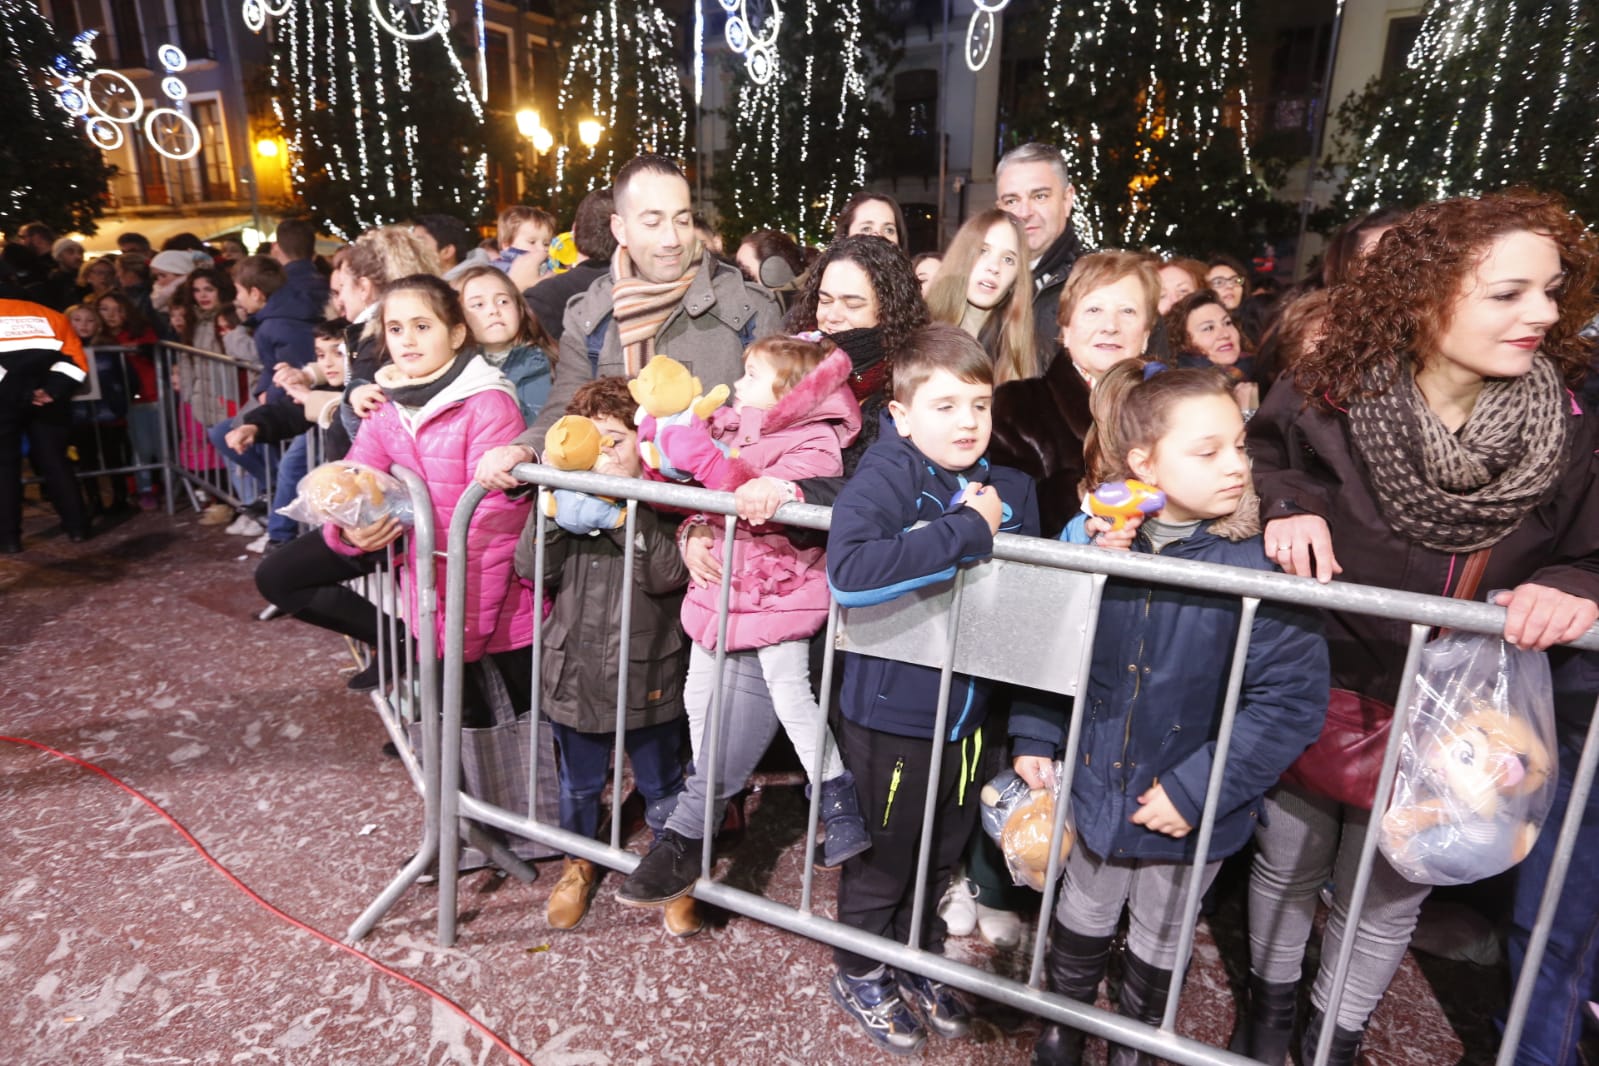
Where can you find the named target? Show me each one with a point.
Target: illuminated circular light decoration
(112, 96)
(72, 101)
(762, 64)
(254, 15)
(83, 44)
(412, 20)
(174, 88)
(981, 31)
(278, 10)
(738, 37)
(172, 58)
(730, 6)
(757, 49)
(107, 136)
(171, 133)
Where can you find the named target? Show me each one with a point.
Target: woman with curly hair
(985, 287)
(1431, 430)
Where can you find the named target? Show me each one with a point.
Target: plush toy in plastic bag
(349, 495)
(1019, 820)
(1476, 764)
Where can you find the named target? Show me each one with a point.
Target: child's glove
(581, 514)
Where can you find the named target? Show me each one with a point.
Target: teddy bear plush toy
(674, 438)
(574, 443)
(1463, 814)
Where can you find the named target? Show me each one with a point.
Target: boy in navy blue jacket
(933, 472)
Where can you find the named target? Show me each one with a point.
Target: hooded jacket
(1161, 661)
(707, 332)
(442, 442)
(779, 586)
(282, 328)
(874, 555)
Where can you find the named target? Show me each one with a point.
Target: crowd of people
(1415, 411)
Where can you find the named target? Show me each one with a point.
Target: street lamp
(588, 131)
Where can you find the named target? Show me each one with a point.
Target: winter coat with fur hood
(442, 441)
(779, 585)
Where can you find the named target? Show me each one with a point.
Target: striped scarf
(640, 306)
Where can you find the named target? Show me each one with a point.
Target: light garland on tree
(1481, 71)
(608, 44)
(1195, 56)
(378, 153)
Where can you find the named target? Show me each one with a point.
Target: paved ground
(139, 651)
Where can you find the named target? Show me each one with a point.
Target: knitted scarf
(416, 392)
(1459, 492)
(640, 306)
(865, 350)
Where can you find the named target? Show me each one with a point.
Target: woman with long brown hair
(985, 287)
(1433, 422)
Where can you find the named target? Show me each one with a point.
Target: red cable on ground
(499, 1041)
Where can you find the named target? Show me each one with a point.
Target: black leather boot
(1345, 1043)
(1143, 998)
(1266, 1023)
(1074, 966)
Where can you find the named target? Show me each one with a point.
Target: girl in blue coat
(1154, 696)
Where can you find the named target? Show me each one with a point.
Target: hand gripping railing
(1421, 612)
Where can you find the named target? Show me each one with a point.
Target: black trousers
(305, 578)
(876, 889)
(49, 430)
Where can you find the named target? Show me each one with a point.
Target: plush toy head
(664, 387)
(563, 249)
(1486, 756)
(337, 485)
(1025, 838)
(573, 443)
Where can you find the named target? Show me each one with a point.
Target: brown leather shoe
(681, 917)
(570, 900)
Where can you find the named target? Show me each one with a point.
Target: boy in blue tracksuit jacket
(933, 472)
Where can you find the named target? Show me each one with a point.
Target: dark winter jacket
(1049, 278)
(366, 355)
(1039, 428)
(529, 370)
(1305, 463)
(873, 555)
(582, 635)
(282, 329)
(1161, 662)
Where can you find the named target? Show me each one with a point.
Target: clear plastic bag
(1019, 820)
(1477, 766)
(349, 495)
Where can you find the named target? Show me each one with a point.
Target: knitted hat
(172, 262)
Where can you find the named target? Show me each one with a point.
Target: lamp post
(589, 131)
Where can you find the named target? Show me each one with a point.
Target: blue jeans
(585, 758)
(1565, 981)
(291, 468)
(254, 461)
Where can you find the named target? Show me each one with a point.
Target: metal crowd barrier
(207, 388)
(1039, 558)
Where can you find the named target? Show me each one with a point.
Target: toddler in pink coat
(791, 417)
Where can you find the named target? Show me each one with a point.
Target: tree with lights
(801, 139)
(1149, 103)
(49, 171)
(1494, 93)
(621, 72)
(381, 125)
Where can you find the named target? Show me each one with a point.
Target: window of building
(497, 59)
(215, 179)
(914, 131)
(191, 35)
(129, 35)
(1402, 34)
(152, 173)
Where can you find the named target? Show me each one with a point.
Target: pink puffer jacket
(779, 588)
(443, 441)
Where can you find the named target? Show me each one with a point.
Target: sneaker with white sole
(258, 545)
(245, 526)
(1003, 929)
(958, 908)
(874, 1001)
(943, 1008)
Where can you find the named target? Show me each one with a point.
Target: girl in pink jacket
(791, 417)
(446, 407)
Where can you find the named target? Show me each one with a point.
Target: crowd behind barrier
(1423, 613)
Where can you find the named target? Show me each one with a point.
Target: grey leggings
(1305, 839)
(1095, 890)
(749, 723)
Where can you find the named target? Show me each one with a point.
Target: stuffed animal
(350, 495)
(574, 443)
(674, 439)
(563, 252)
(1020, 820)
(1463, 817)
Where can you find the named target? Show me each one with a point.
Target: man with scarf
(1032, 186)
(664, 293)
